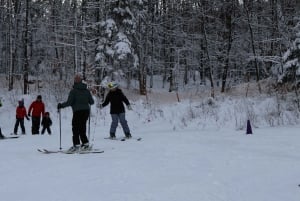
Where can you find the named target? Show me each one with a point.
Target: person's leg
(49, 130)
(1, 135)
(114, 125)
(75, 128)
(22, 126)
(35, 125)
(84, 115)
(38, 123)
(124, 125)
(16, 126)
(43, 130)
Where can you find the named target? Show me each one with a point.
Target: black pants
(48, 130)
(36, 121)
(79, 126)
(1, 135)
(19, 121)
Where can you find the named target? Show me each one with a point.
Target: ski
(124, 138)
(92, 151)
(9, 137)
(46, 151)
(132, 138)
(109, 138)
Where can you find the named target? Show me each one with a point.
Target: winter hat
(39, 97)
(77, 78)
(21, 102)
(112, 85)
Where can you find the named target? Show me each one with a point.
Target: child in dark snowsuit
(20, 114)
(46, 123)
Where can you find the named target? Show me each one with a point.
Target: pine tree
(116, 53)
(291, 59)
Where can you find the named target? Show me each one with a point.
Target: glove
(29, 115)
(27, 118)
(129, 107)
(59, 105)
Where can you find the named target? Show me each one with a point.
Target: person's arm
(124, 99)
(30, 108)
(106, 101)
(70, 100)
(26, 116)
(43, 109)
(91, 100)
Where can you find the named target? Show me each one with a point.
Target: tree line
(216, 43)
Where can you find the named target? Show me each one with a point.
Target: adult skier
(80, 99)
(36, 110)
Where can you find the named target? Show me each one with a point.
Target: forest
(214, 43)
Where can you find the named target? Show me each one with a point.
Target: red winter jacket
(21, 112)
(37, 108)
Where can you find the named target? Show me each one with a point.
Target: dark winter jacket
(80, 98)
(46, 122)
(116, 99)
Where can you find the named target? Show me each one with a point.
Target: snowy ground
(171, 163)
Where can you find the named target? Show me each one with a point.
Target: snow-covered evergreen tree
(116, 54)
(290, 72)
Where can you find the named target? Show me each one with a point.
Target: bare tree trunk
(26, 47)
(11, 47)
(206, 50)
(228, 34)
(253, 48)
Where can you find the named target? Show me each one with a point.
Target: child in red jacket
(20, 114)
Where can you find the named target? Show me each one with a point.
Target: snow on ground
(179, 158)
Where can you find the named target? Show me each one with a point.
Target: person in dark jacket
(80, 99)
(1, 135)
(37, 108)
(20, 115)
(116, 98)
(46, 123)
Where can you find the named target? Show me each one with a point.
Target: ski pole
(89, 127)
(59, 129)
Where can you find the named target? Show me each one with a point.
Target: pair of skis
(92, 151)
